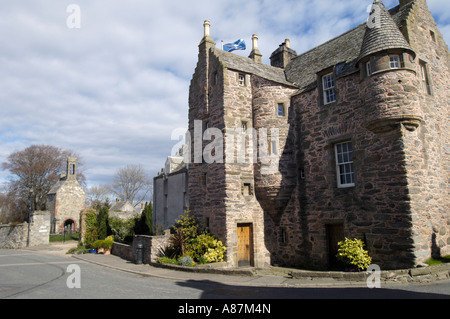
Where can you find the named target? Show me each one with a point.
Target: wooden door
(245, 245)
(335, 234)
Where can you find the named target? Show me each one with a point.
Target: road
(34, 275)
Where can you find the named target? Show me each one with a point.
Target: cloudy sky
(114, 89)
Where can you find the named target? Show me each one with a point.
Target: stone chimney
(255, 54)
(207, 40)
(281, 57)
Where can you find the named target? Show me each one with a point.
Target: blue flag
(238, 45)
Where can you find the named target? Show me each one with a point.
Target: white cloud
(114, 90)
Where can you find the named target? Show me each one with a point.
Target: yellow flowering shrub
(352, 252)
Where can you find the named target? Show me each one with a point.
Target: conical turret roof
(382, 33)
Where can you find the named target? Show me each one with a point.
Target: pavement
(252, 277)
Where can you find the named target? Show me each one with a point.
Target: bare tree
(98, 195)
(132, 183)
(36, 168)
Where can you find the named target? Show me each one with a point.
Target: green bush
(106, 243)
(187, 225)
(121, 228)
(186, 261)
(102, 220)
(215, 254)
(167, 260)
(205, 247)
(186, 240)
(91, 229)
(183, 233)
(352, 252)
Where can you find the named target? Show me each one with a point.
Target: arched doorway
(69, 226)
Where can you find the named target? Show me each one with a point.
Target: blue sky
(115, 89)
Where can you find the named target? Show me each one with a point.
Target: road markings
(42, 263)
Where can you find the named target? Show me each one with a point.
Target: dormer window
(328, 85)
(395, 62)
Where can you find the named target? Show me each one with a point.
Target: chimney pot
(206, 26)
(255, 42)
(287, 43)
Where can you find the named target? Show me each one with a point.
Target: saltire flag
(238, 45)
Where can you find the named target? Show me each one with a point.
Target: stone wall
(428, 148)
(40, 228)
(153, 247)
(15, 236)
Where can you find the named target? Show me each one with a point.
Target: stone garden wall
(152, 246)
(15, 236)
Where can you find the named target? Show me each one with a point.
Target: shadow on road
(217, 290)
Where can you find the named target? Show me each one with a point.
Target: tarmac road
(47, 274)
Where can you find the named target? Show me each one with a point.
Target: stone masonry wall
(428, 148)
(69, 202)
(15, 236)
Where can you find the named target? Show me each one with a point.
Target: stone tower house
(66, 199)
(349, 139)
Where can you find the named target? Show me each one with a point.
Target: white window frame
(394, 62)
(344, 164)
(241, 79)
(329, 88)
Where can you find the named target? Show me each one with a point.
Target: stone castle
(356, 133)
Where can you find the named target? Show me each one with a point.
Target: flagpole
(222, 44)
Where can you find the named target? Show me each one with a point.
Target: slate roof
(247, 65)
(342, 52)
(123, 207)
(345, 50)
(386, 36)
(55, 188)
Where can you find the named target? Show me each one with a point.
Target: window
(203, 179)
(241, 80)
(283, 236)
(368, 69)
(244, 126)
(425, 79)
(247, 189)
(433, 36)
(344, 165)
(329, 94)
(395, 62)
(280, 109)
(273, 147)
